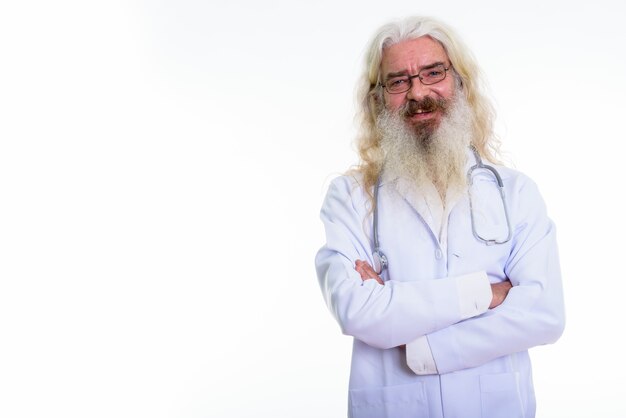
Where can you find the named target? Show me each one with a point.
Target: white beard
(423, 157)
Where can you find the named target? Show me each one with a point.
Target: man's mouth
(423, 107)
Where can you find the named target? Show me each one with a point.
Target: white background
(162, 165)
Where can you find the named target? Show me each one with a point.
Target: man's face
(409, 58)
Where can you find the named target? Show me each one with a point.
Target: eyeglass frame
(411, 77)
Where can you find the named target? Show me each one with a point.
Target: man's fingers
(360, 268)
(370, 270)
(366, 271)
(372, 273)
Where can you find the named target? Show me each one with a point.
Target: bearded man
(444, 269)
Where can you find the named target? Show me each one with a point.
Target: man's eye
(434, 73)
(397, 82)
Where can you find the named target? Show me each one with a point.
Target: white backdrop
(162, 165)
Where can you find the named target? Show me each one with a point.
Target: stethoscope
(380, 259)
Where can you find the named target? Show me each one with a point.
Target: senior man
(442, 264)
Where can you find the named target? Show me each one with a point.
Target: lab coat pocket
(400, 401)
(500, 396)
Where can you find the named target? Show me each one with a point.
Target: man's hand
(367, 272)
(499, 291)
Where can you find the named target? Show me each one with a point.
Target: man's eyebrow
(405, 72)
(398, 74)
(428, 67)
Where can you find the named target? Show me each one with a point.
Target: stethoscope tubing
(380, 260)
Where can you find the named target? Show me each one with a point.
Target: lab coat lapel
(423, 200)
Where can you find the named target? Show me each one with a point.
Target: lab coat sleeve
(381, 316)
(532, 314)
(418, 353)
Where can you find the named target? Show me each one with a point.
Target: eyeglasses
(427, 76)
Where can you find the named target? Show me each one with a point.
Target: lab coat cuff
(419, 357)
(474, 294)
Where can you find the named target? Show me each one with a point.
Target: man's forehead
(412, 54)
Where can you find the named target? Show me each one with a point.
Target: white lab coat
(483, 363)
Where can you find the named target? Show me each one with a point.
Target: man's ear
(458, 81)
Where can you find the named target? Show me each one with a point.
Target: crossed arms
(528, 307)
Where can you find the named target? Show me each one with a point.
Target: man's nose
(418, 90)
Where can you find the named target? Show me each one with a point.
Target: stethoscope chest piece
(380, 261)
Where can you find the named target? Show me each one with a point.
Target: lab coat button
(438, 254)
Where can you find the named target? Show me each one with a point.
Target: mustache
(427, 104)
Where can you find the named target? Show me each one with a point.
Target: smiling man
(443, 269)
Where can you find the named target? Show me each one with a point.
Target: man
(443, 281)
